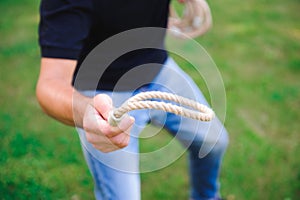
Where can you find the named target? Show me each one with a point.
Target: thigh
(111, 183)
(116, 174)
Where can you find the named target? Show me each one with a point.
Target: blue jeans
(116, 174)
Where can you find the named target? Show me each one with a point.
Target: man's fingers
(98, 131)
(106, 149)
(123, 126)
(101, 142)
(108, 144)
(95, 139)
(93, 122)
(121, 140)
(126, 122)
(103, 104)
(91, 118)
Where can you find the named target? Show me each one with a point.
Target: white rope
(195, 21)
(143, 101)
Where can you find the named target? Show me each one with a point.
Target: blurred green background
(255, 44)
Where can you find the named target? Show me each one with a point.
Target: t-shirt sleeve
(63, 27)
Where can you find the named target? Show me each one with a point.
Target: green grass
(256, 46)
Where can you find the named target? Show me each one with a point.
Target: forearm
(62, 101)
(55, 93)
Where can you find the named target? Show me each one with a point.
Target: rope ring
(143, 101)
(195, 21)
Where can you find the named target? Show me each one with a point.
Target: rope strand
(143, 101)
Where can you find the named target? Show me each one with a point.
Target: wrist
(79, 106)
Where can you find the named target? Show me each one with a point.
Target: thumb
(103, 104)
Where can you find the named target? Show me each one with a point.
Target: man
(68, 32)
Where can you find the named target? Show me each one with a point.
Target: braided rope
(141, 101)
(195, 21)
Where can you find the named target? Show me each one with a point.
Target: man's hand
(98, 131)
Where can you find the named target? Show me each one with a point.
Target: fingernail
(132, 119)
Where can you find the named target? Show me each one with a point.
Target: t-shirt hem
(58, 52)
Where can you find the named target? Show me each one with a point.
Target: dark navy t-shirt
(71, 29)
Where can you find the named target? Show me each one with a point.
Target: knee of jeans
(222, 142)
(202, 146)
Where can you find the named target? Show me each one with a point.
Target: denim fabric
(116, 174)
